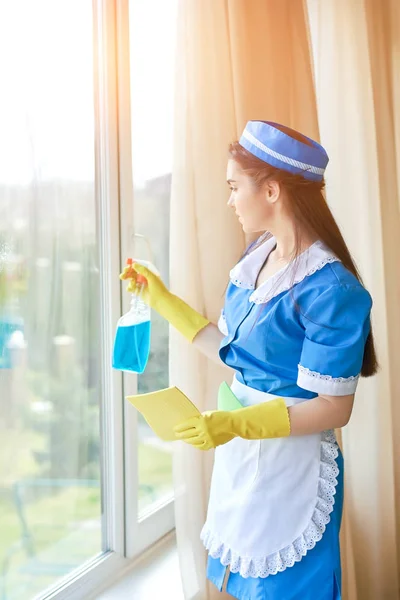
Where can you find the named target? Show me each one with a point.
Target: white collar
(245, 273)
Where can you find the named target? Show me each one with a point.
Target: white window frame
(124, 535)
(161, 519)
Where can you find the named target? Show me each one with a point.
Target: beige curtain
(356, 48)
(237, 60)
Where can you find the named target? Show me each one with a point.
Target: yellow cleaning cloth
(164, 409)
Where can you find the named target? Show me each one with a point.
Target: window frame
(144, 532)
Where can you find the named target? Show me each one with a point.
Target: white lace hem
(325, 384)
(263, 566)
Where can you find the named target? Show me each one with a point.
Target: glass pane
(50, 500)
(152, 81)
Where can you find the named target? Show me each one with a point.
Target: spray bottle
(132, 339)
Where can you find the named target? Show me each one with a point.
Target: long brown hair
(311, 215)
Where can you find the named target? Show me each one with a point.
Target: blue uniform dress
(295, 354)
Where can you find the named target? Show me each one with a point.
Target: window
(50, 470)
(83, 483)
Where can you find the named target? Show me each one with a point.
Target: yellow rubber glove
(216, 427)
(154, 293)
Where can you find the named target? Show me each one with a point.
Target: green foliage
(71, 425)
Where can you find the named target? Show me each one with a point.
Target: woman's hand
(175, 310)
(257, 422)
(153, 288)
(206, 431)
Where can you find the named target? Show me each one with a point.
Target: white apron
(270, 500)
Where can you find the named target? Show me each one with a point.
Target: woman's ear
(272, 191)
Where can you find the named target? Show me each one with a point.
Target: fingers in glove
(188, 434)
(128, 273)
(142, 270)
(191, 423)
(197, 442)
(202, 445)
(132, 287)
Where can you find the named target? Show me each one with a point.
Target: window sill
(155, 567)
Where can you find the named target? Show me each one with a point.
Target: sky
(46, 100)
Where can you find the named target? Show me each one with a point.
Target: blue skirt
(316, 577)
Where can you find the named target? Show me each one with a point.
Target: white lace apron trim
(263, 566)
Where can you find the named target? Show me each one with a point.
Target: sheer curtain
(357, 65)
(237, 60)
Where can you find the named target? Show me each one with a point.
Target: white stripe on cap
(290, 161)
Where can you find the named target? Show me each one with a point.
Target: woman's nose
(231, 201)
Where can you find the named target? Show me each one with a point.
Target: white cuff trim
(325, 384)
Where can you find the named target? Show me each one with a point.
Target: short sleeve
(336, 328)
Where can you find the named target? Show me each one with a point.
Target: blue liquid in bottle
(132, 347)
(132, 340)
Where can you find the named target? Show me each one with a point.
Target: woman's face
(254, 206)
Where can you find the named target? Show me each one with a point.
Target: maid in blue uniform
(296, 330)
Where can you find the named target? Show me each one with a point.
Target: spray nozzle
(140, 279)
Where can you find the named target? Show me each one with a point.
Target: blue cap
(264, 140)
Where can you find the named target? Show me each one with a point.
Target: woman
(296, 330)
